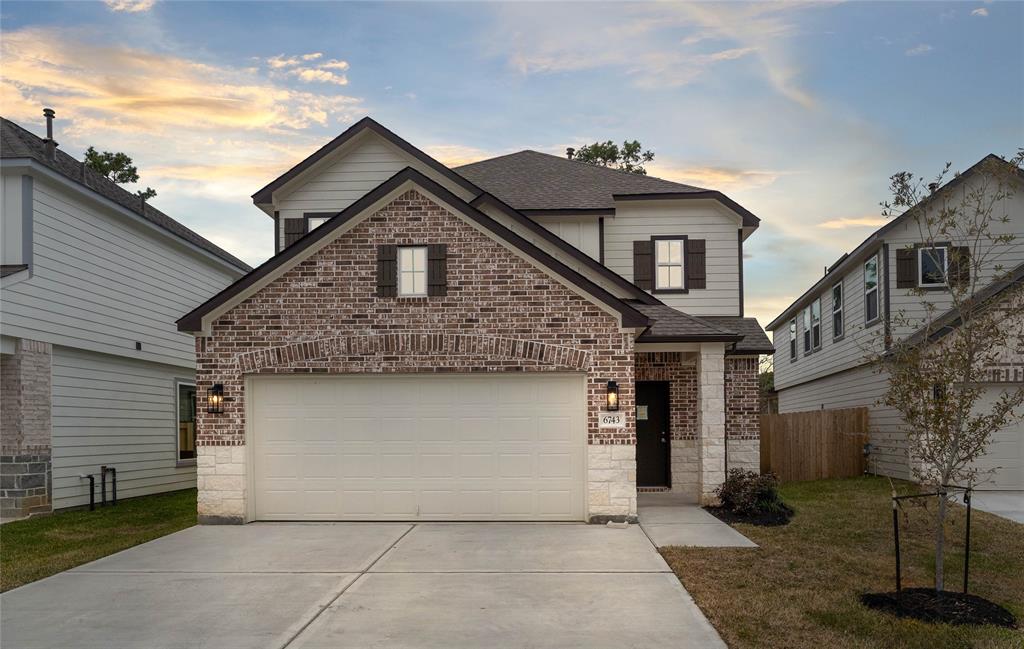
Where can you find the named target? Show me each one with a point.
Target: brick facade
(25, 430)
(500, 314)
(743, 422)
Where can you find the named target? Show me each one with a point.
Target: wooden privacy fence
(814, 445)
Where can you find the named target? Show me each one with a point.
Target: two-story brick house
(523, 338)
(878, 291)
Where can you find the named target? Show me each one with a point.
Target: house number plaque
(612, 419)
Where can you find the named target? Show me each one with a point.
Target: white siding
(102, 283)
(851, 389)
(582, 232)
(116, 412)
(706, 220)
(347, 175)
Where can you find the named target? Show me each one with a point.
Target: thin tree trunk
(940, 543)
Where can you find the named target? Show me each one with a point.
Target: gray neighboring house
(822, 339)
(94, 372)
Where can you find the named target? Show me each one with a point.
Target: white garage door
(404, 447)
(1005, 455)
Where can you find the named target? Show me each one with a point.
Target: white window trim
(805, 320)
(867, 291)
(920, 267)
(178, 383)
(401, 273)
(839, 311)
(794, 341)
(815, 325)
(313, 220)
(668, 264)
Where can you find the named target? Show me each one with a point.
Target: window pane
(837, 324)
(676, 276)
(407, 283)
(871, 274)
(315, 223)
(676, 252)
(662, 252)
(807, 319)
(837, 297)
(405, 258)
(419, 283)
(792, 329)
(816, 311)
(871, 306)
(663, 277)
(933, 265)
(186, 422)
(419, 259)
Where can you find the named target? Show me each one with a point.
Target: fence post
(896, 538)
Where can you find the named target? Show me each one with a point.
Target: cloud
(129, 6)
(918, 50)
(454, 155)
(310, 75)
(721, 178)
(853, 222)
(980, 11)
(316, 73)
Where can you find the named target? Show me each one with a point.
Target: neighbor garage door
(1004, 460)
(404, 447)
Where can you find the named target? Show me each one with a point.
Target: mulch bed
(930, 606)
(773, 519)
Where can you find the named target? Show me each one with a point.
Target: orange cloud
(853, 222)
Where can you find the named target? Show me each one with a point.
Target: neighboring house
(94, 372)
(823, 339)
(524, 338)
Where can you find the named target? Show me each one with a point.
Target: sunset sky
(799, 111)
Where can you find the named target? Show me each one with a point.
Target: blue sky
(798, 111)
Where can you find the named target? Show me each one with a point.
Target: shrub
(751, 494)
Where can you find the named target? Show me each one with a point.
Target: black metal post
(113, 485)
(103, 486)
(896, 537)
(967, 539)
(92, 492)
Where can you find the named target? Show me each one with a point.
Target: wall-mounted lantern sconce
(613, 396)
(215, 399)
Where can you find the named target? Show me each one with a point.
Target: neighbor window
(186, 399)
(816, 324)
(871, 289)
(806, 316)
(668, 260)
(933, 264)
(314, 222)
(837, 311)
(412, 270)
(792, 339)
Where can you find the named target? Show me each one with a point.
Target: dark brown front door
(652, 434)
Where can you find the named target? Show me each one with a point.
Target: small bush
(751, 494)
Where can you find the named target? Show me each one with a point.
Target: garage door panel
(1002, 465)
(405, 447)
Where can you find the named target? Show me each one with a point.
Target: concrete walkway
(669, 519)
(364, 585)
(1008, 504)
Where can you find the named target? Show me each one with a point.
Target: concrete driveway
(365, 585)
(1008, 504)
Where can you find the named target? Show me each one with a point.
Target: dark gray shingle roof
(530, 180)
(16, 142)
(755, 340)
(668, 323)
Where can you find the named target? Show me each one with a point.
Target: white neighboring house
(94, 372)
(822, 339)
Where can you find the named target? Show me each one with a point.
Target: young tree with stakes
(936, 375)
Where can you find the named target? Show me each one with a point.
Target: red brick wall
(682, 377)
(501, 314)
(742, 405)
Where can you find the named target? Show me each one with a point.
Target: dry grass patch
(39, 547)
(801, 587)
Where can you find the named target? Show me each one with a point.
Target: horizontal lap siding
(103, 283)
(850, 389)
(116, 412)
(584, 233)
(697, 220)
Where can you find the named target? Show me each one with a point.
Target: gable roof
(19, 143)
(869, 245)
(531, 180)
(265, 195)
(281, 262)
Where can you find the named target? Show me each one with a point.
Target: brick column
(25, 437)
(711, 419)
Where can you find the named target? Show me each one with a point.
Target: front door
(652, 434)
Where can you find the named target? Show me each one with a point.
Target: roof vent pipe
(51, 145)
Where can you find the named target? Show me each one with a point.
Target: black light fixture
(215, 399)
(613, 396)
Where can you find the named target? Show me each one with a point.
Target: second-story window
(806, 317)
(933, 263)
(871, 290)
(668, 263)
(792, 339)
(816, 324)
(412, 270)
(314, 222)
(837, 311)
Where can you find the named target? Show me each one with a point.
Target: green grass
(800, 589)
(38, 547)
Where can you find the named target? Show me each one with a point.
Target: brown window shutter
(959, 266)
(387, 271)
(643, 264)
(696, 264)
(437, 269)
(294, 229)
(906, 268)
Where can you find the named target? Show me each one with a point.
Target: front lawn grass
(38, 547)
(800, 589)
